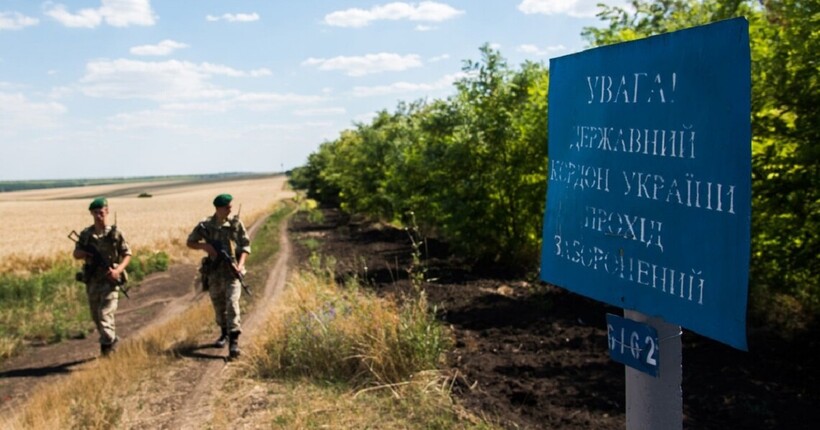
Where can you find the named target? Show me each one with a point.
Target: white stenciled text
(688, 191)
(579, 176)
(687, 285)
(631, 227)
(669, 143)
(638, 87)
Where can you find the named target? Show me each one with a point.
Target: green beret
(98, 203)
(222, 200)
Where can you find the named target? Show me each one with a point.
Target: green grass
(264, 247)
(50, 306)
(266, 243)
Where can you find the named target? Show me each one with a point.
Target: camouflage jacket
(111, 245)
(231, 235)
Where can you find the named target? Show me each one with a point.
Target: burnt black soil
(529, 355)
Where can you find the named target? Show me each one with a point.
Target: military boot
(223, 339)
(233, 348)
(107, 349)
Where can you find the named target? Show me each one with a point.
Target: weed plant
(346, 334)
(311, 210)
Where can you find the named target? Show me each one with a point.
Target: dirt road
(158, 298)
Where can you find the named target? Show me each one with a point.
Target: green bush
(473, 166)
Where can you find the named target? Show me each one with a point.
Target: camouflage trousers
(225, 291)
(102, 301)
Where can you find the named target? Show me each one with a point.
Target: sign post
(656, 402)
(649, 193)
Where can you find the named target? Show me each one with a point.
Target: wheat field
(34, 225)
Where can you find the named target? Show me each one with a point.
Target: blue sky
(100, 88)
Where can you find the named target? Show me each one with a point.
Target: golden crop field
(35, 224)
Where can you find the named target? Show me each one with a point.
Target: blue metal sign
(649, 193)
(633, 343)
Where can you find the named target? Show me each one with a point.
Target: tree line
(471, 169)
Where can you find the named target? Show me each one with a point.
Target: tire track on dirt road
(42, 365)
(200, 381)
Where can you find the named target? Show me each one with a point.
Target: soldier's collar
(215, 221)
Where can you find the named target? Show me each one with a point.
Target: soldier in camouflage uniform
(212, 235)
(101, 282)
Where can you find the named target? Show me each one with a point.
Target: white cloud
(16, 21)
(148, 119)
(422, 27)
(266, 101)
(232, 101)
(320, 111)
(116, 13)
(438, 58)
(206, 106)
(407, 87)
(165, 47)
(234, 17)
(540, 52)
(249, 101)
(86, 18)
(17, 111)
(573, 8)
(218, 69)
(428, 11)
(159, 81)
(8, 86)
(367, 64)
(365, 117)
(291, 140)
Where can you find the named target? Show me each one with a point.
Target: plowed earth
(532, 356)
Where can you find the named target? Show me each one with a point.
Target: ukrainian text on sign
(648, 202)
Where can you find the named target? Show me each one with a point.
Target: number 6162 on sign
(633, 343)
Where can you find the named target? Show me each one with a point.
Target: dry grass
(308, 400)
(34, 224)
(97, 396)
(333, 333)
(117, 392)
(422, 403)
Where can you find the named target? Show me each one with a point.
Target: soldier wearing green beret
(102, 242)
(227, 244)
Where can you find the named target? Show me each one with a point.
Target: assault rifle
(224, 256)
(98, 260)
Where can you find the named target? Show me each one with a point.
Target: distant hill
(9, 186)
